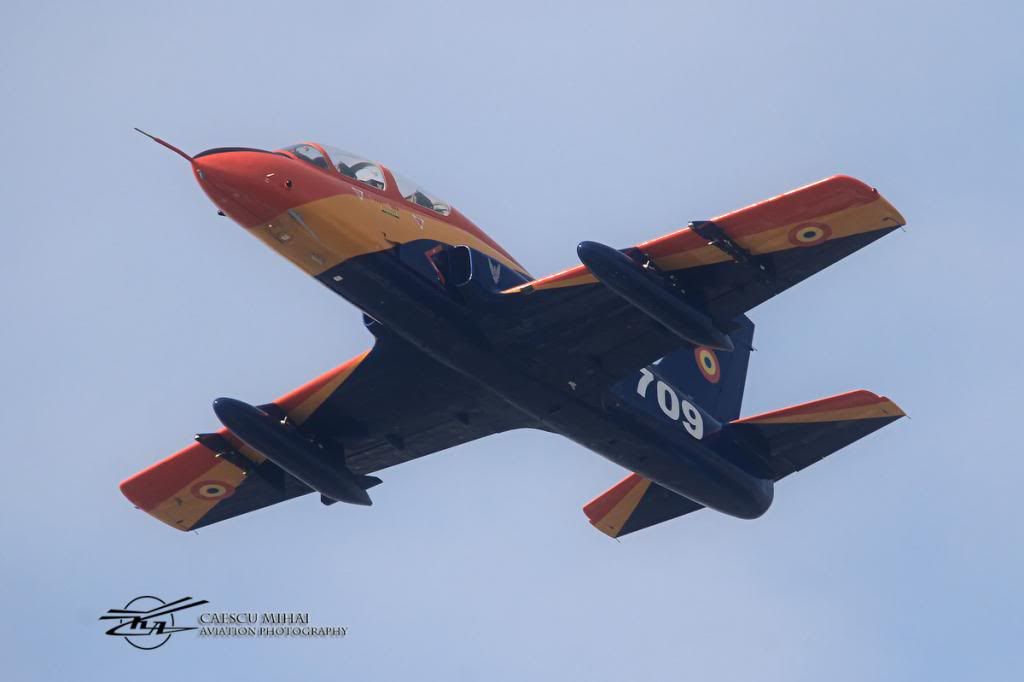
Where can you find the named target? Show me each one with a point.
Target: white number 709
(670, 404)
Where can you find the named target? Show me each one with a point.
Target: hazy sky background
(129, 305)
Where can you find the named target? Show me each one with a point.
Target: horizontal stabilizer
(794, 438)
(368, 481)
(635, 503)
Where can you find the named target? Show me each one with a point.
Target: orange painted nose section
(251, 186)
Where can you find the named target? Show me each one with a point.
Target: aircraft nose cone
(243, 183)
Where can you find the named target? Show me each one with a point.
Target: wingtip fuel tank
(626, 278)
(288, 449)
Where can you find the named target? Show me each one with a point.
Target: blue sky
(130, 306)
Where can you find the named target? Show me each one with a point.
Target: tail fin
(714, 379)
(796, 437)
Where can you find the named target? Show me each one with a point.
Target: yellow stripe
(306, 408)
(583, 278)
(183, 509)
(850, 221)
(859, 219)
(330, 231)
(614, 520)
(301, 413)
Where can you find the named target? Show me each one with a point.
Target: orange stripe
(830, 195)
(847, 205)
(269, 196)
(152, 488)
(319, 235)
(303, 401)
(159, 482)
(572, 277)
(843, 407)
(183, 508)
(886, 408)
(609, 511)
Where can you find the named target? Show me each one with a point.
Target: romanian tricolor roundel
(707, 362)
(212, 490)
(809, 234)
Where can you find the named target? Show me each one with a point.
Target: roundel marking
(707, 363)
(212, 490)
(809, 234)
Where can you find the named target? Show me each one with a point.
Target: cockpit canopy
(353, 166)
(410, 191)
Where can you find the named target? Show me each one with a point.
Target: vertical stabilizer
(713, 378)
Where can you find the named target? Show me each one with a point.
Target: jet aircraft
(639, 354)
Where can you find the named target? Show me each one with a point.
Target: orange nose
(249, 185)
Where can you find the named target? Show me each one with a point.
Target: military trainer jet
(638, 354)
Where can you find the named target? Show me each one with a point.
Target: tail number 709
(674, 408)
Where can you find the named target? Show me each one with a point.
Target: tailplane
(770, 445)
(793, 438)
(634, 503)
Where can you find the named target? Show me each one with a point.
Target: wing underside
(723, 267)
(389, 405)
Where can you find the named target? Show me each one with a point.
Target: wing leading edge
(724, 267)
(386, 406)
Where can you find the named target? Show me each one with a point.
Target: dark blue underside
(455, 363)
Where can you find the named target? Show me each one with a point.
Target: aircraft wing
(724, 266)
(387, 406)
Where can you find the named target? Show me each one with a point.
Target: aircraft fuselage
(379, 251)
